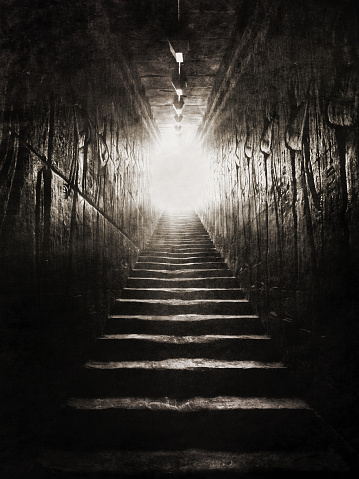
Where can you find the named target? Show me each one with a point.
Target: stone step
(177, 250)
(181, 273)
(183, 223)
(182, 293)
(173, 266)
(181, 230)
(216, 423)
(184, 239)
(226, 282)
(163, 258)
(176, 239)
(186, 324)
(177, 306)
(183, 377)
(178, 245)
(181, 235)
(194, 463)
(130, 347)
(197, 254)
(205, 241)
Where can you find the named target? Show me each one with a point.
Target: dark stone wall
(76, 139)
(281, 137)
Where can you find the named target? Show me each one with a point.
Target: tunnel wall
(75, 145)
(281, 139)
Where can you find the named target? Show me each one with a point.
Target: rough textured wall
(75, 143)
(281, 136)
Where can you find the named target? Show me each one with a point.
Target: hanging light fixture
(178, 105)
(179, 81)
(178, 44)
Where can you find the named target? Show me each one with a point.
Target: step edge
(195, 404)
(192, 364)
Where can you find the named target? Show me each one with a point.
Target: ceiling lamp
(179, 81)
(178, 105)
(178, 55)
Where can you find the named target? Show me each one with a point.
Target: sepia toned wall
(281, 139)
(76, 141)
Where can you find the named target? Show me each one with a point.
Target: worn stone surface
(181, 339)
(181, 302)
(178, 363)
(192, 404)
(187, 317)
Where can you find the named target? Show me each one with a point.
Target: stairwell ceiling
(202, 32)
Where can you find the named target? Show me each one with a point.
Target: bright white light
(179, 176)
(179, 57)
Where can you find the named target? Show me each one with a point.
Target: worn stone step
(184, 221)
(181, 273)
(186, 324)
(177, 306)
(181, 229)
(216, 423)
(181, 239)
(182, 224)
(163, 258)
(194, 229)
(191, 463)
(130, 347)
(226, 282)
(173, 266)
(183, 377)
(183, 255)
(201, 234)
(178, 250)
(179, 245)
(177, 239)
(182, 293)
(190, 240)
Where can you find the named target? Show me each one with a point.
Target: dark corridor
(115, 113)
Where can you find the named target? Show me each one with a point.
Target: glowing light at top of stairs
(179, 175)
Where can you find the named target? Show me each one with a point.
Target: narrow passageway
(179, 238)
(184, 380)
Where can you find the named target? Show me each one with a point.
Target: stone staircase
(185, 383)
